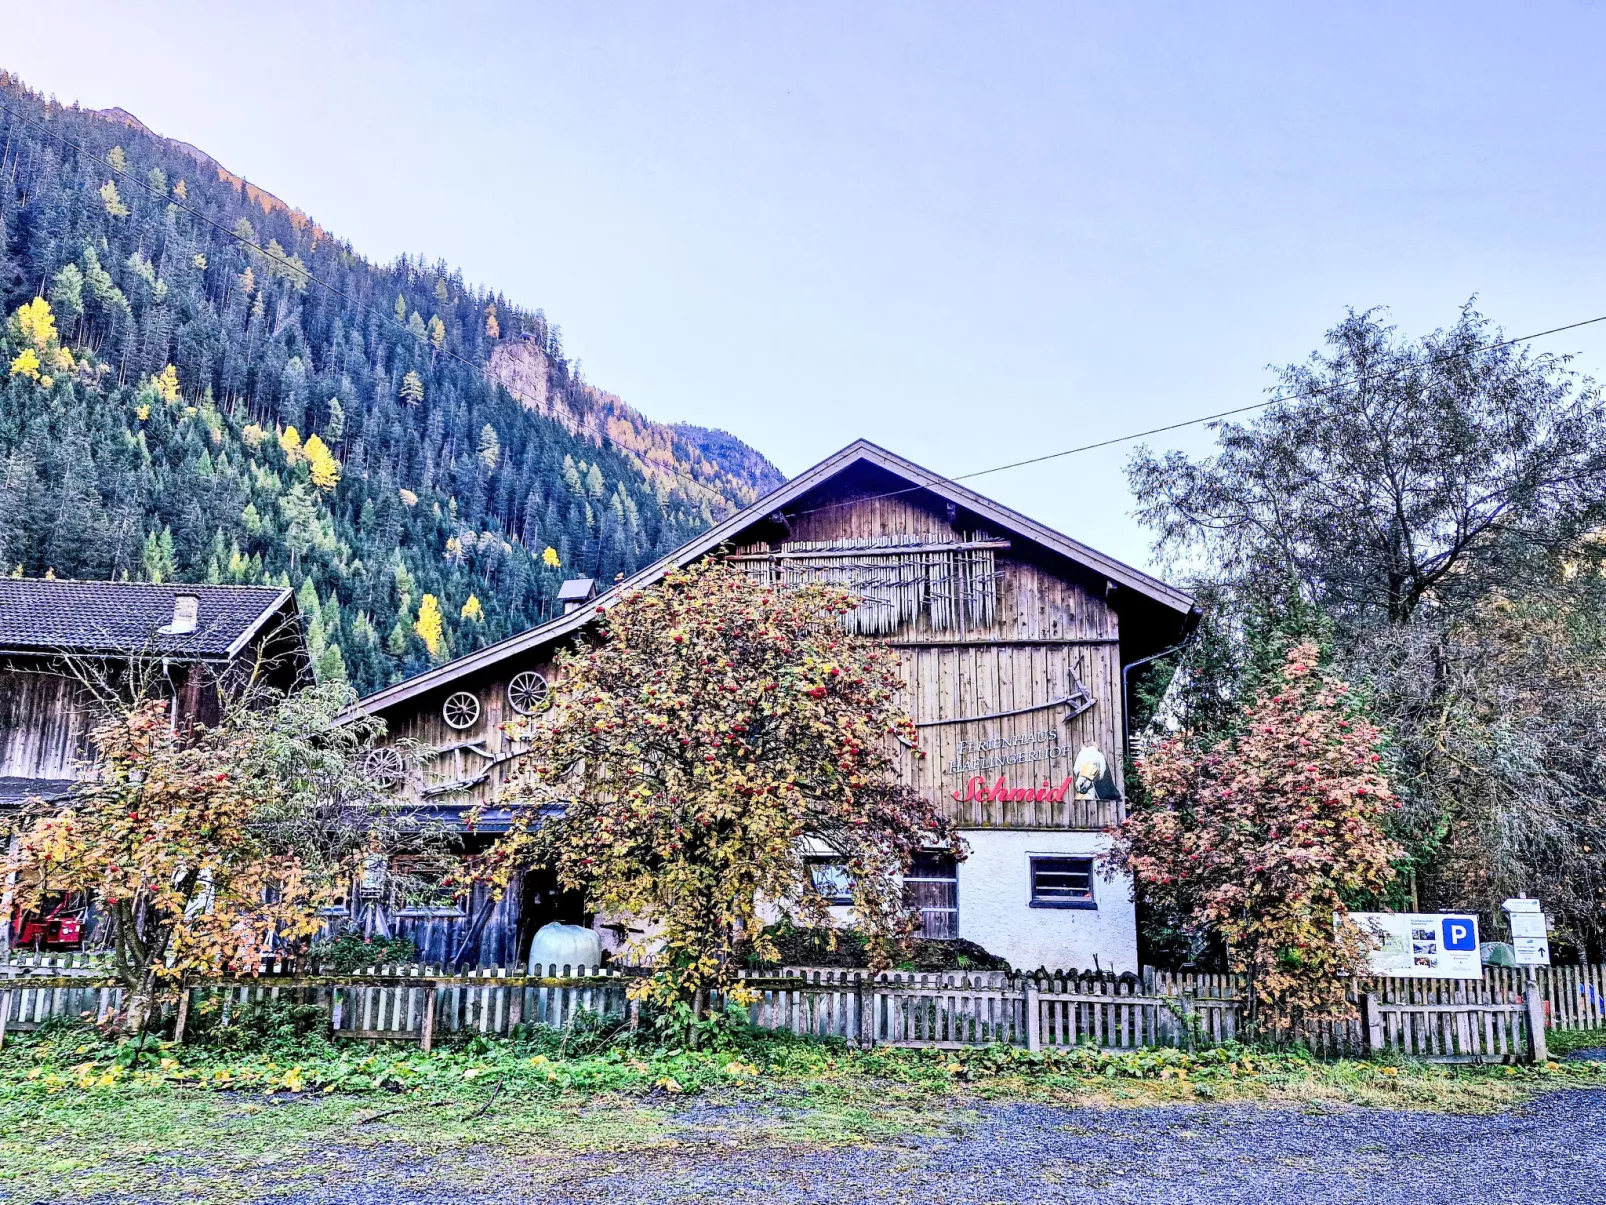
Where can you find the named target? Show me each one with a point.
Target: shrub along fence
(1445, 1020)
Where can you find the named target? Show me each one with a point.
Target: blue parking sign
(1460, 933)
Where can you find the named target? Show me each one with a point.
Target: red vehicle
(60, 927)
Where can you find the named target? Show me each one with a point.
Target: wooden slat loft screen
(953, 583)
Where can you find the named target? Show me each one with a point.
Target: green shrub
(256, 1025)
(351, 951)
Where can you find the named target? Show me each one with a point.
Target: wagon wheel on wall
(529, 692)
(385, 767)
(461, 710)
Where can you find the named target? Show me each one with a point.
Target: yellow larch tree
(321, 462)
(430, 626)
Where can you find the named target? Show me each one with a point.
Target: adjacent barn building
(69, 648)
(1015, 642)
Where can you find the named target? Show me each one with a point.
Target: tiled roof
(38, 615)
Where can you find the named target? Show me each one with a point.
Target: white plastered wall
(995, 904)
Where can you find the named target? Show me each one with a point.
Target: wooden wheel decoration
(386, 768)
(529, 692)
(461, 710)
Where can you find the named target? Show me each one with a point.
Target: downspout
(1188, 627)
(172, 721)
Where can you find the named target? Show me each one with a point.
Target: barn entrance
(543, 902)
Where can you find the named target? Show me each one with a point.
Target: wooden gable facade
(1012, 638)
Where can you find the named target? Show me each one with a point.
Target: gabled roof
(860, 452)
(42, 616)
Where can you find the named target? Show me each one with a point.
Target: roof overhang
(1157, 593)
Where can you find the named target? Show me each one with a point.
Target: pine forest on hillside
(252, 401)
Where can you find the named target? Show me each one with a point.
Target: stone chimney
(186, 615)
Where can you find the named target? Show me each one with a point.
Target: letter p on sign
(1459, 934)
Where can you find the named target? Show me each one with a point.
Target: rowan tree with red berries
(710, 732)
(201, 850)
(1265, 839)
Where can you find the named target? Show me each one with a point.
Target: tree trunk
(141, 1003)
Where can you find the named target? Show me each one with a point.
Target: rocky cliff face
(697, 460)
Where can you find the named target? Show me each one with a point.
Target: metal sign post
(1530, 941)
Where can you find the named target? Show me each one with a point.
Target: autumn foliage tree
(1266, 838)
(204, 850)
(709, 731)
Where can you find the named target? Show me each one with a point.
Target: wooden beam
(1014, 642)
(881, 550)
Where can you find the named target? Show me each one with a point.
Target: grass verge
(82, 1115)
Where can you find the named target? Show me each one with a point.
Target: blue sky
(970, 232)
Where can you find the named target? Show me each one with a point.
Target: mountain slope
(171, 349)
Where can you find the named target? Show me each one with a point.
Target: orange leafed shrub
(1263, 839)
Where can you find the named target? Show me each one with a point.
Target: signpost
(1422, 945)
(1530, 940)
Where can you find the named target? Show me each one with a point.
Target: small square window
(427, 886)
(830, 879)
(1062, 883)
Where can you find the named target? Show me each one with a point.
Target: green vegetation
(181, 399)
(1430, 512)
(280, 1105)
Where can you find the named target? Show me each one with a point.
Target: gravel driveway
(1552, 1150)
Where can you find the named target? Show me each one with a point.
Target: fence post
(864, 1002)
(1372, 1019)
(5, 1013)
(1034, 1015)
(427, 1038)
(515, 1007)
(1538, 1051)
(183, 1014)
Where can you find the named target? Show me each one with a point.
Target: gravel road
(1549, 1152)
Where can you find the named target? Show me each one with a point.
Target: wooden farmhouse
(68, 648)
(1015, 642)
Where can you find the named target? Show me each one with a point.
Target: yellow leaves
(740, 1070)
(430, 626)
(321, 462)
(197, 261)
(35, 323)
(26, 364)
(412, 389)
(549, 558)
(253, 435)
(166, 383)
(290, 441)
(493, 329)
(437, 333)
(294, 1079)
(472, 610)
(113, 203)
(408, 497)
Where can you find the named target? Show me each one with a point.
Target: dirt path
(1550, 1152)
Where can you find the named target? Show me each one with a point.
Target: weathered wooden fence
(1455, 1020)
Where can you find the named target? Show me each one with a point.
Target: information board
(1530, 933)
(1422, 945)
(1531, 951)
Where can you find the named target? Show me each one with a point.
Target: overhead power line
(1298, 395)
(301, 270)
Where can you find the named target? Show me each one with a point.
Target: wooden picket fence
(1453, 1021)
